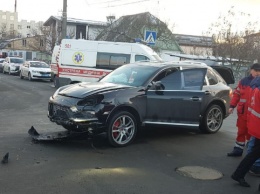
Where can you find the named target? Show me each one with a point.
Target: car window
(188, 79)
(16, 60)
(212, 78)
(39, 65)
(132, 75)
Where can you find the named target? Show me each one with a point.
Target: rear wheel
(3, 70)
(9, 72)
(212, 120)
(122, 129)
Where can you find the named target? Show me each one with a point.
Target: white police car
(35, 70)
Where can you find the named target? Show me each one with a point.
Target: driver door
(179, 100)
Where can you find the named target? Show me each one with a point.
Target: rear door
(180, 99)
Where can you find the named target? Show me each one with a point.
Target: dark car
(145, 93)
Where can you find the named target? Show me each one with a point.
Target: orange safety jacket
(253, 114)
(240, 96)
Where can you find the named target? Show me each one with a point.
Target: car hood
(81, 90)
(40, 69)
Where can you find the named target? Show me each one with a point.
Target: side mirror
(156, 86)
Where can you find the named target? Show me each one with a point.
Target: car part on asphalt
(53, 136)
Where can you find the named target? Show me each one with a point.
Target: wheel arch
(129, 109)
(218, 102)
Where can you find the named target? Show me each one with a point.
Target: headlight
(58, 90)
(91, 101)
(74, 109)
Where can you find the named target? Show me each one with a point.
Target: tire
(9, 72)
(3, 70)
(122, 129)
(30, 77)
(212, 120)
(21, 75)
(56, 82)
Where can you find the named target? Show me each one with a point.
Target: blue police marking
(150, 37)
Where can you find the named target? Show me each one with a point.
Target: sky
(191, 17)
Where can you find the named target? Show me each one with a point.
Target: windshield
(39, 64)
(131, 75)
(16, 60)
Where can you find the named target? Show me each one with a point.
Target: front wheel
(212, 120)
(122, 129)
(21, 76)
(30, 77)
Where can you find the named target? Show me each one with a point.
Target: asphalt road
(79, 166)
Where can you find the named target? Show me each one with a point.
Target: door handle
(207, 92)
(195, 98)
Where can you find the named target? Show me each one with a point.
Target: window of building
(28, 27)
(11, 17)
(41, 42)
(19, 27)
(24, 42)
(4, 17)
(11, 26)
(9, 45)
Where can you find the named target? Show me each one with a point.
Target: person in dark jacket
(253, 123)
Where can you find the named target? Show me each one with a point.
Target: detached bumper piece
(56, 136)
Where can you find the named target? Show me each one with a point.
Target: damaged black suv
(145, 93)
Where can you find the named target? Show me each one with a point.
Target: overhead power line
(134, 2)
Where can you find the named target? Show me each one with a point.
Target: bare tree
(230, 41)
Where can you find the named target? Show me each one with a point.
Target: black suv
(145, 93)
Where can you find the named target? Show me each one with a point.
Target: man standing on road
(239, 100)
(253, 124)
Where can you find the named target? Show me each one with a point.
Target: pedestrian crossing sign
(150, 37)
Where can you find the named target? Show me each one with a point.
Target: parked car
(35, 70)
(12, 65)
(1, 64)
(144, 93)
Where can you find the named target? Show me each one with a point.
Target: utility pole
(64, 20)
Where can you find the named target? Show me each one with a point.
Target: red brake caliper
(115, 127)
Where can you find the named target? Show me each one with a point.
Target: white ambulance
(86, 60)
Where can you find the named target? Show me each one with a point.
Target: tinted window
(211, 78)
(189, 79)
(141, 58)
(112, 60)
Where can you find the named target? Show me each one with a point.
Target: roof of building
(192, 40)
(131, 27)
(75, 21)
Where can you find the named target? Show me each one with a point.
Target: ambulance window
(141, 58)
(118, 60)
(112, 60)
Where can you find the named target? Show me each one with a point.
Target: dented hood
(84, 89)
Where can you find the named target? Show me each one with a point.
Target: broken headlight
(91, 101)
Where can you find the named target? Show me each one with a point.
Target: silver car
(12, 65)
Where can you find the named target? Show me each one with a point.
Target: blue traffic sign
(150, 37)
